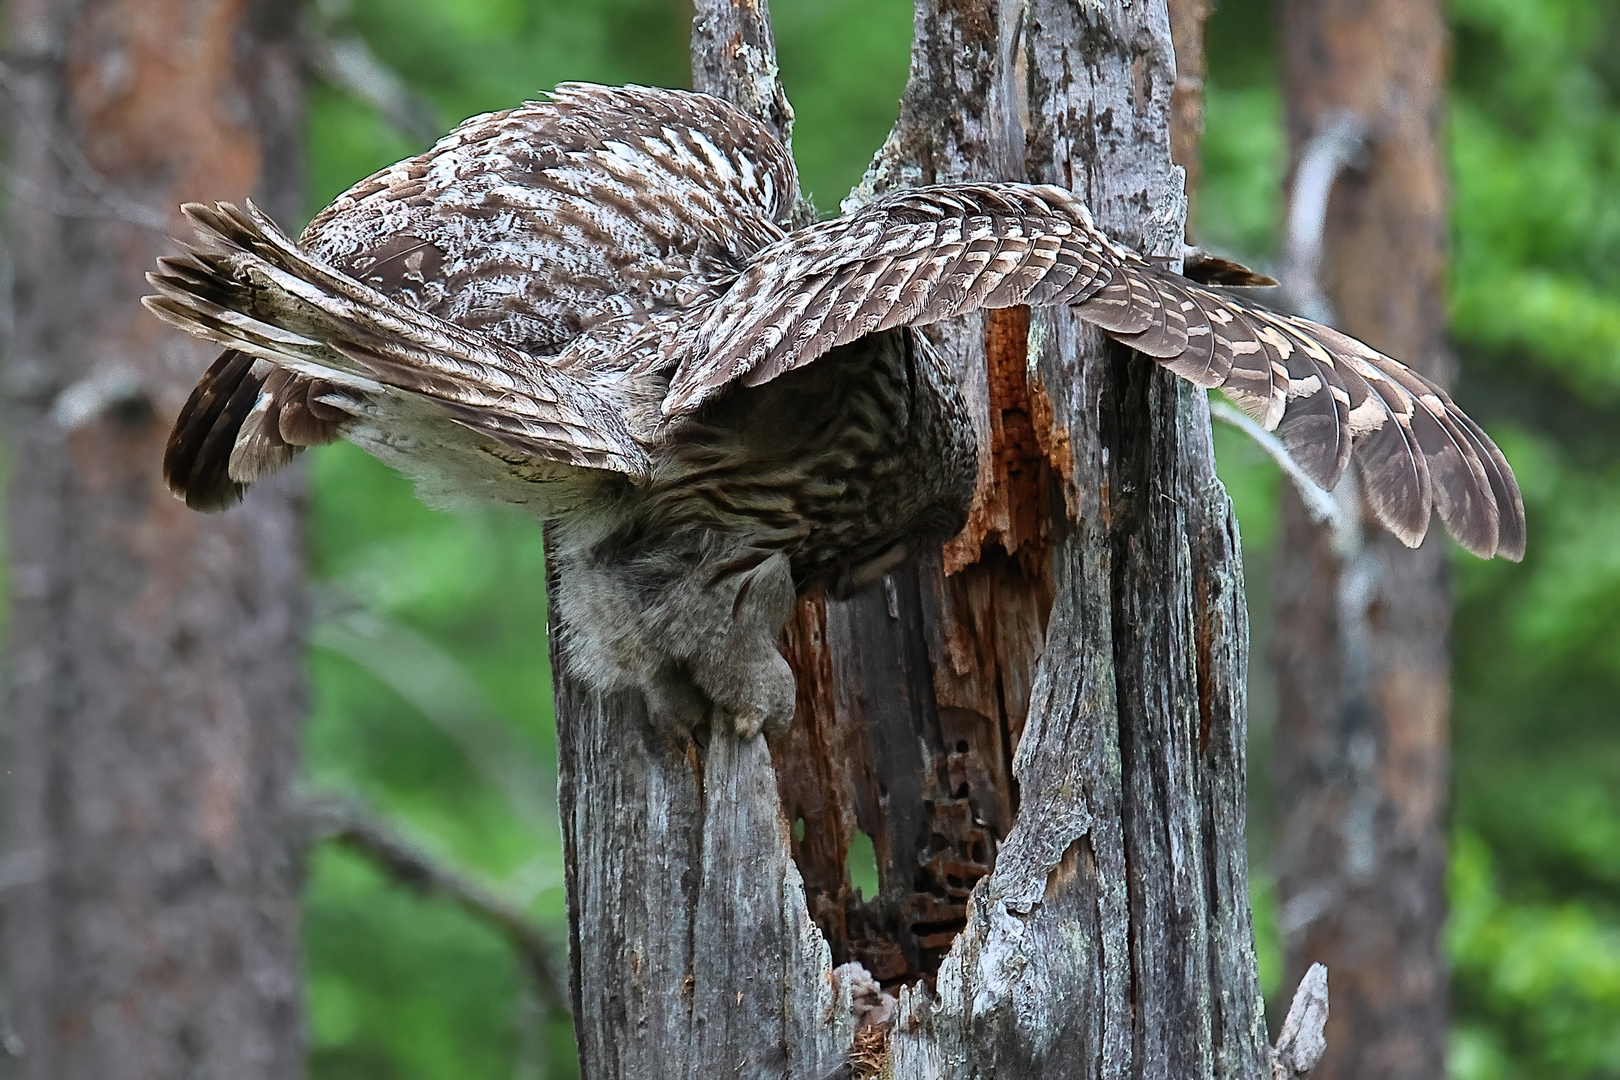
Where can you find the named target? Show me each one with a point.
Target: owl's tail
(322, 340)
(246, 419)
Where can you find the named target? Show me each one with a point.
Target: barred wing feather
(929, 254)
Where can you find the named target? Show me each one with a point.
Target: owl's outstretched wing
(587, 215)
(928, 254)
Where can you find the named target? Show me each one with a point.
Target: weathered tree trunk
(156, 655)
(1361, 647)
(1041, 730)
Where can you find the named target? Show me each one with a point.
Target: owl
(594, 308)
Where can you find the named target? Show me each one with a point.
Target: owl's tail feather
(245, 419)
(320, 337)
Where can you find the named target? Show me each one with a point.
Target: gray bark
(1041, 729)
(156, 685)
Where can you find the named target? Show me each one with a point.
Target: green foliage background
(432, 688)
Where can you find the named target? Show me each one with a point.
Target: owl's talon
(751, 721)
(748, 723)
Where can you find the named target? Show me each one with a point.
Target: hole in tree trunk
(899, 802)
(912, 696)
(861, 862)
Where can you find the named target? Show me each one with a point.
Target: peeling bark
(156, 656)
(1041, 729)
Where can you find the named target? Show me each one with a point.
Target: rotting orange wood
(1204, 634)
(1054, 443)
(810, 761)
(987, 611)
(993, 618)
(995, 603)
(930, 808)
(1013, 502)
(989, 600)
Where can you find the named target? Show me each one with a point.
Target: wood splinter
(1302, 1042)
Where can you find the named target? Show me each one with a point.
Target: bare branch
(1320, 504)
(110, 201)
(64, 206)
(446, 694)
(344, 820)
(346, 62)
(734, 57)
(1340, 142)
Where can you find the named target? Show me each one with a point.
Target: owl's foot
(674, 702)
(744, 673)
(745, 698)
(758, 697)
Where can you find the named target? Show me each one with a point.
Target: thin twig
(346, 61)
(77, 209)
(445, 693)
(1340, 142)
(114, 202)
(344, 820)
(1320, 504)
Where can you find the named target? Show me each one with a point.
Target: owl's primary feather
(591, 307)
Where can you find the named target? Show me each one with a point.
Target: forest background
(431, 688)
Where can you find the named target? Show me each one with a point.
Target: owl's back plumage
(592, 306)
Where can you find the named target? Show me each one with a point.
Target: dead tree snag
(1040, 728)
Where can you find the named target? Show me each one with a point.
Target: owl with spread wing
(593, 307)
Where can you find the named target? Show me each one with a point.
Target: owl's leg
(752, 694)
(674, 703)
(700, 647)
(742, 669)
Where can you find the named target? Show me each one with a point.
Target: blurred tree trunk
(156, 691)
(1361, 645)
(1187, 19)
(1041, 730)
